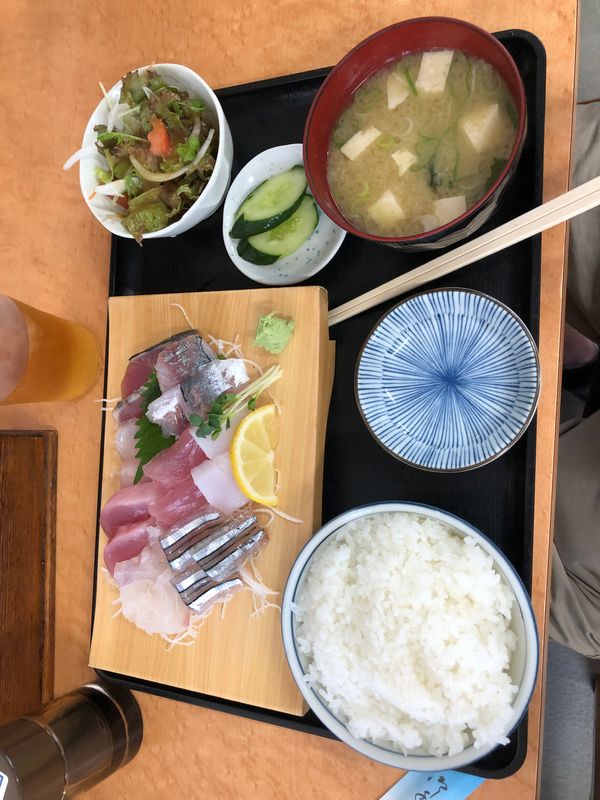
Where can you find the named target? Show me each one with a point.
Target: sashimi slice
(180, 359)
(129, 505)
(125, 440)
(216, 482)
(182, 502)
(214, 447)
(148, 565)
(169, 412)
(130, 407)
(154, 606)
(209, 382)
(174, 464)
(127, 472)
(140, 365)
(127, 542)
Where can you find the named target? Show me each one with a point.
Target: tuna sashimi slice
(174, 464)
(125, 440)
(130, 407)
(129, 505)
(216, 482)
(180, 359)
(127, 542)
(182, 502)
(169, 412)
(140, 365)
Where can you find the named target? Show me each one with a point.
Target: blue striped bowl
(448, 380)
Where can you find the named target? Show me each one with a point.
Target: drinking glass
(43, 357)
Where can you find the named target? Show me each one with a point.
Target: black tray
(497, 498)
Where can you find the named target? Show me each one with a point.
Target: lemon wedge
(252, 455)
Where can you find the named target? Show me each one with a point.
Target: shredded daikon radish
(184, 312)
(287, 517)
(106, 399)
(263, 510)
(259, 590)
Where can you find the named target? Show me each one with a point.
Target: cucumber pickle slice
(270, 204)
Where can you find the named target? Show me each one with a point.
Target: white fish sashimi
(216, 482)
(125, 440)
(154, 606)
(127, 472)
(149, 565)
(214, 447)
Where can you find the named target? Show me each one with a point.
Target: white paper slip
(448, 785)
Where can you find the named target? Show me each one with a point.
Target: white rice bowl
(409, 638)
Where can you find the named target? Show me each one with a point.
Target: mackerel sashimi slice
(141, 365)
(180, 359)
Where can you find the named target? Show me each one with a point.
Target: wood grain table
(55, 256)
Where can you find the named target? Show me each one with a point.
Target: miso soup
(421, 142)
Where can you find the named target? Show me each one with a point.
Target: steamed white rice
(404, 626)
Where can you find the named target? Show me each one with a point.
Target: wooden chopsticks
(561, 208)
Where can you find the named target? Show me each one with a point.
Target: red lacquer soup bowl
(378, 51)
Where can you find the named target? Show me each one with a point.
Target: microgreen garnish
(226, 406)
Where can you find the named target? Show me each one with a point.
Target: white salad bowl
(311, 256)
(214, 191)
(524, 661)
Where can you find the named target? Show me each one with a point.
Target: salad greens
(159, 140)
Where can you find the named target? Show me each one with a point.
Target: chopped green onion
(410, 81)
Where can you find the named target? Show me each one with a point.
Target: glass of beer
(43, 357)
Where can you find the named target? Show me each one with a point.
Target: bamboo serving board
(234, 657)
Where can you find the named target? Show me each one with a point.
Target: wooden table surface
(55, 256)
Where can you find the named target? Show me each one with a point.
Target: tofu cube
(448, 208)
(483, 127)
(434, 70)
(404, 160)
(358, 143)
(397, 89)
(386, 210)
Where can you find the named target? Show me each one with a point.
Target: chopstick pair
(561, 208)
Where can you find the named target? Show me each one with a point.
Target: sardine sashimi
(215, 593)
(214, 447)
(169, 412)
(149, 564)
(129, 505)
(180, 534)
(182, 502)
(211, 381)
(127, 542)
(215, 539)
(180, 359)
(125, 440)
(215, 481)
(222, 565)
(175, 463)
(140, 365)
(130, 407)
(154, 606)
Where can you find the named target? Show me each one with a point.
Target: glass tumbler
(43, 357)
